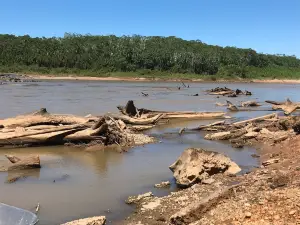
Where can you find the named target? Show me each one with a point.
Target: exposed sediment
(269, 194)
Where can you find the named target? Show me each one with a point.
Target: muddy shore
(267, 195)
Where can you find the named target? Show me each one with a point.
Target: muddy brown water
(74, 184)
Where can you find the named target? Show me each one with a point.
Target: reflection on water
(73, 183)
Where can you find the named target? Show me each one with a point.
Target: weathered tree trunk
(39, 139)
(255, 119)
(47, 119)
(25, 163)
(25, 133)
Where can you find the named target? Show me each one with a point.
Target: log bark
(26, 163)
(273, 115)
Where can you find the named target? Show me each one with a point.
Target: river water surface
(74, 184)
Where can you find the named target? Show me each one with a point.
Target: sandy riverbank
(143, 79)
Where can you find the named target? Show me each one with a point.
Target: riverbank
(267, 195)
(291, 77)
(166, 79)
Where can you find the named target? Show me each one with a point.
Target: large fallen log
(25, 133)
(29, 162)
(46, 119)
(147, 113)
(39, 139)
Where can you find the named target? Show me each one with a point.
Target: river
(74, 184)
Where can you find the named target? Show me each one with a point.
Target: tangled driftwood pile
(269, 128)
(43, 128)
(228, 92)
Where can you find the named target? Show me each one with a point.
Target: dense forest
(104, 54)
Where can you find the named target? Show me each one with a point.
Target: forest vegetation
(139, 56)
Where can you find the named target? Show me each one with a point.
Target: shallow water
(73, 184)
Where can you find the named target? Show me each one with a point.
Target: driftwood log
(29, 162)
(44, 118)
(261, 118)
(146, 113)
(288, 106)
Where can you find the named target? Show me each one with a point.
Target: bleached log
(269, 116)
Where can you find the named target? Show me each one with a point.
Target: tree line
(132, 53)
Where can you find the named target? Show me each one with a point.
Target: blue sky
(269, 26)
